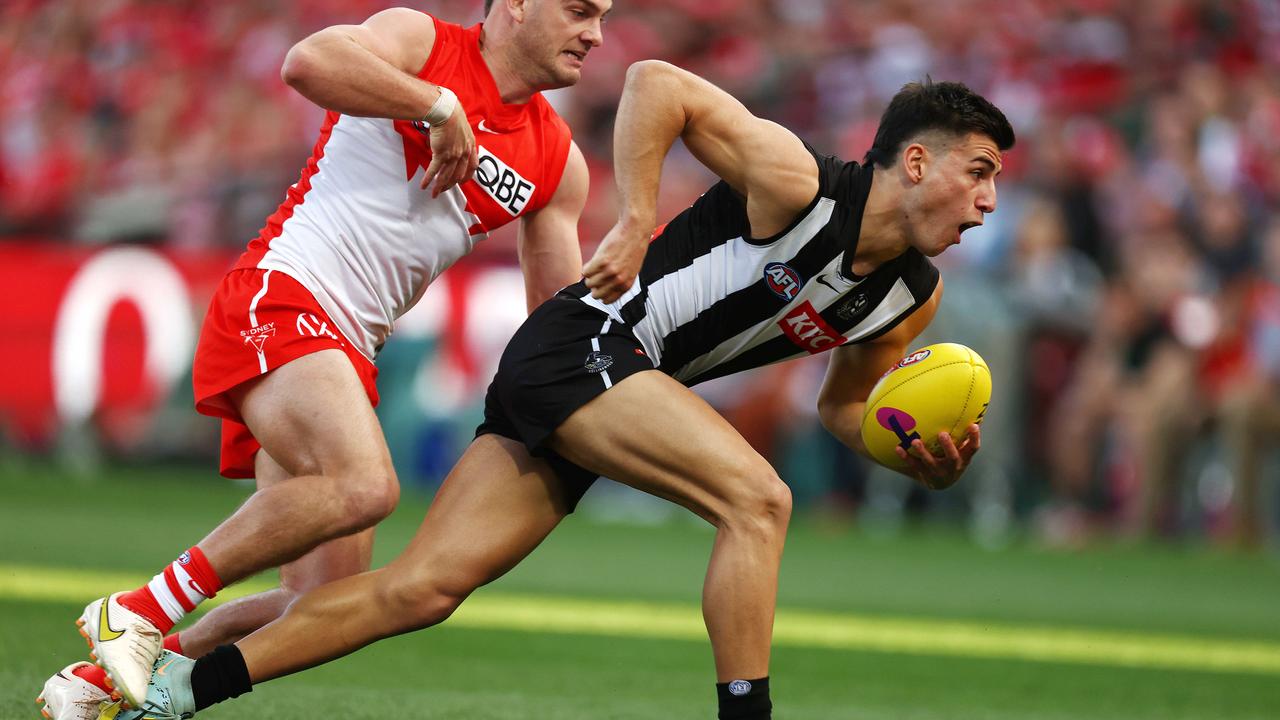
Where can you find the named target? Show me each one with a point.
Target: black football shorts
(563, 356)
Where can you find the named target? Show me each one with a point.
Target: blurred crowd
(1127, 292)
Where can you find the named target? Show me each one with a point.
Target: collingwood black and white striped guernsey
(711, 300)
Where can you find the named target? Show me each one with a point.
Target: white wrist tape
(442, 109)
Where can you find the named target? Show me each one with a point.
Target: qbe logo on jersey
(504, 185)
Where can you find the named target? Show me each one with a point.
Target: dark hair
(488, 4)
(948, 106)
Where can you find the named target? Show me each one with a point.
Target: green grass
(485, 665)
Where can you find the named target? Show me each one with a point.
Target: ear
(915, 158)
(518, 9)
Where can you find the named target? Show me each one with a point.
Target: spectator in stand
(1148, 127)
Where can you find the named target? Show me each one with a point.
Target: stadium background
(1126, 296)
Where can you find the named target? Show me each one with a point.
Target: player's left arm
(550, 256)
(854, 371)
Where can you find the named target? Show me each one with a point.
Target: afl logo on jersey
(503, 184)
(782, 280)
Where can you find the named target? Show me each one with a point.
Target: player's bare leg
(493, 509)
(335, 559)
(656, 435)
(311, 416)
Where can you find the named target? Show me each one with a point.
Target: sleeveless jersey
(360, 234)
(710, 300)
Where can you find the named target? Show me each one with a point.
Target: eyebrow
(596, 6)
(987, 161)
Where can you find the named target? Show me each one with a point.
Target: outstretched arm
(854, 371)
(550, 256)
(760, 159)
(370, 70)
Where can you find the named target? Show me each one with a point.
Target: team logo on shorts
(738, 688)
(257, 337)
(185, 557)
(782, 280)
(851, 307)
(597, 362)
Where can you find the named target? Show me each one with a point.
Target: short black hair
(948, 106)
(488, 4)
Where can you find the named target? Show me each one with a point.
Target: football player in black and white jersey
(792, 253)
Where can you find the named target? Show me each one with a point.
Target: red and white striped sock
(173, 644)
(176, 591)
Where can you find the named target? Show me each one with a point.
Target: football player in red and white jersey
(435, 135)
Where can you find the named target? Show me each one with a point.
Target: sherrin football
(939, 387)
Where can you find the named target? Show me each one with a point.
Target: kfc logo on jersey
(504, 185)
(782, 280)
(806, 328)
(257, 337)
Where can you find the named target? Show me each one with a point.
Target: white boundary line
(793, 628)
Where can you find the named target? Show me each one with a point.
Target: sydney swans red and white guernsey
(359, 232)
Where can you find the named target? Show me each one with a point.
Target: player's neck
(882, 235)
(505, 69)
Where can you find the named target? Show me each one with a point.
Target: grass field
(603, 621)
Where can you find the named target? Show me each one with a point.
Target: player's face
(559, 35)
(956, 191)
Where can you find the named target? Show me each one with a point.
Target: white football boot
(169, 694)
(123, 643)
(67, 696)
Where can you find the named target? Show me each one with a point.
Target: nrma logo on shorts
(504, 185)
(782, 280)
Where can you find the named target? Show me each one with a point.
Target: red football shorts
(259, 320)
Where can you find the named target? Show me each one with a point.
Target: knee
(368, 497)
(760, 503)
(419, 602)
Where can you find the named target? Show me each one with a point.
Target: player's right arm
(763, 161)
(370, 70)
(852, 373)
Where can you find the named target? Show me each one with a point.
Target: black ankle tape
(745, 700)
(218, 676)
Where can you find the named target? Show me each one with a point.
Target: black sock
(745, 700)
(218, 676)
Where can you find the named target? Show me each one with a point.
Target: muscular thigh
(654, 434)
(312, 416)
(496, 505)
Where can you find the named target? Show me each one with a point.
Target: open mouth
(966, 226)
(576, 55)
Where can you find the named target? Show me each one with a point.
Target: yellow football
(939, 387)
